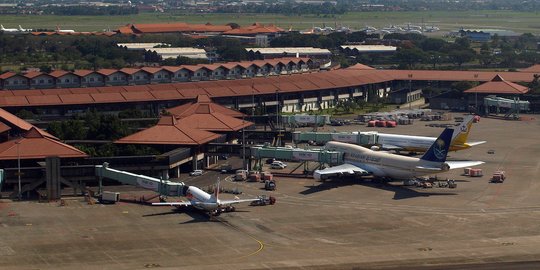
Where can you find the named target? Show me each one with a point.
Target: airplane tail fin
(439, 149)
(20, 28)
(2, 27)
(462, 132)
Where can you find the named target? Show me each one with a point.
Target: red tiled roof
(27, 93)
(76, 98)
(106, 71)
(534, 68)
(125, 29)
(254, 29)
(360, 67)
(8, 74)
(44, 99)
(268, 85)
(169, 131)
(451, 75)
(137, 88)
(137, 96)
(58, 73)
(167, 95)
(4, 127)
(82, 72)
(9, 118)
(108, 97)
(499, 86)
(203, 104)
(36, 146)
(33, 74)
(172, 69)
(129, 71)
(151, 70)
(111, 89)
(213, 121)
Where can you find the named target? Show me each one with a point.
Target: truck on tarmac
(241, 175)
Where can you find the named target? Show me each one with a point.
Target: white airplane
(63, 31)
(432, 29)
(8, 30)
(421, 143)
(201, 200)
(24, 30)
(363, 161)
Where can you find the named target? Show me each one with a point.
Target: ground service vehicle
(241, 175)
(196, 173)
(270, 185)
(498, 177)
(263, 200)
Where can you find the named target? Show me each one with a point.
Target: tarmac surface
(339, 224)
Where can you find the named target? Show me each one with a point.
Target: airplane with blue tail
(362, 161)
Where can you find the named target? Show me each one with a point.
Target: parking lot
(338, 224)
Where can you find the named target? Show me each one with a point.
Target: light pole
(243, 144)
(277, 109)
(252, 101)
(19, 169)
(476, 95)
(410, 88)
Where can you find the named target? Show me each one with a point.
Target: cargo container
(266, 176)
(254, 176)
(109, 197)
(476, 173)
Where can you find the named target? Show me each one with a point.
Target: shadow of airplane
(195, 214)
(400, 192)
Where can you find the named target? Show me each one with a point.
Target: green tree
(410, 57)
(459, 57)
(24, 114)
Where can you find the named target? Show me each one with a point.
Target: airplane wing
(433, 169)
(229, 202)
(344, 169)
(172, 204)
(391, 147)
(463, 164)
(453, 165)
(476, 143)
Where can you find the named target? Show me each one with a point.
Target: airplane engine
(445, 167)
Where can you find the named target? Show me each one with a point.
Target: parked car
(278, 165)
(196, 173)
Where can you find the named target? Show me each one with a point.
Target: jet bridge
(297, 154)
(359, 138)
(512, 106)
(163, 187)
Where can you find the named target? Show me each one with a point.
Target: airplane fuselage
(385, 165)
(201, 200)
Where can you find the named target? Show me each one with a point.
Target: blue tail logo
(439, 149)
